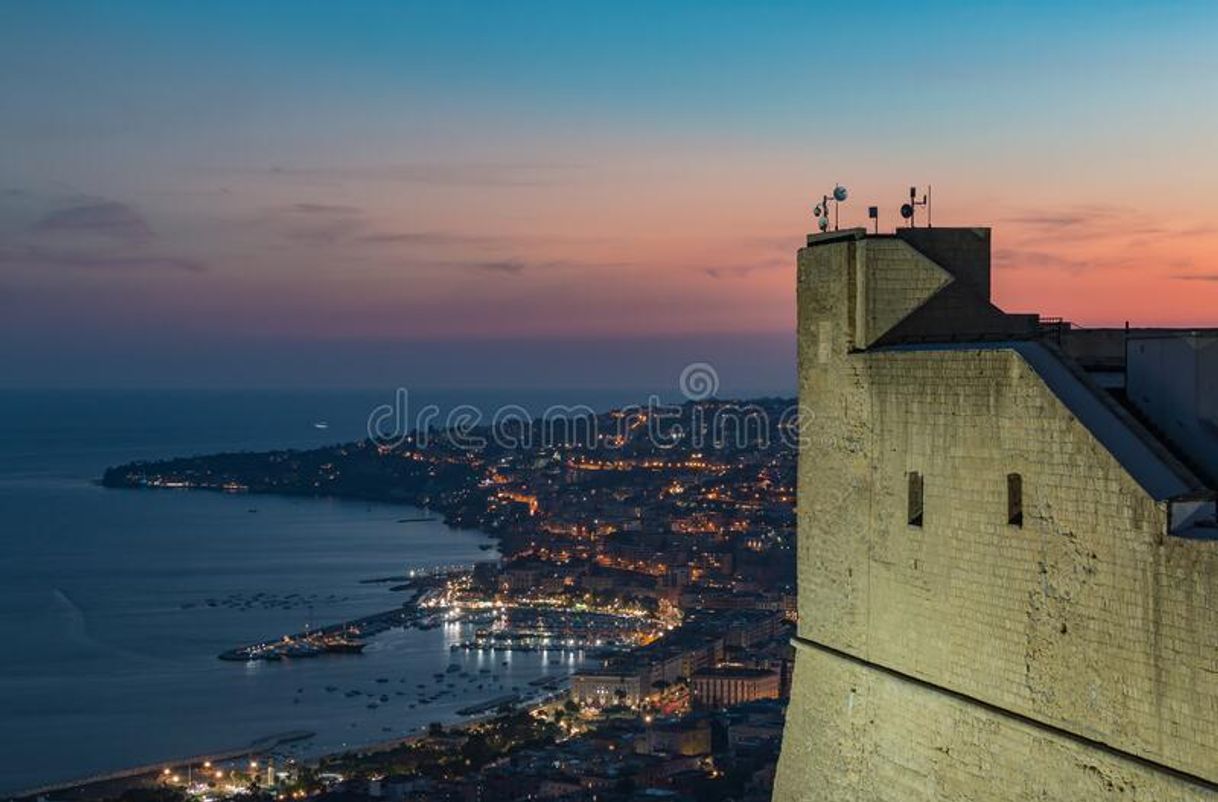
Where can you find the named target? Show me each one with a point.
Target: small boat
(343, 646)
(299, 649)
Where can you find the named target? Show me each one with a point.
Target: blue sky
(208, 193)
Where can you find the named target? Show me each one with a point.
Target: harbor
(344, 638)
(349, 637)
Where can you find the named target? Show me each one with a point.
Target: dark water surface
(114, 603)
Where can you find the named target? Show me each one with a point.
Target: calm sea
(115, 603)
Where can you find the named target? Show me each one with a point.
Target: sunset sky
(567, 194)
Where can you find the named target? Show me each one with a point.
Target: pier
(344, 638)
(348, 637)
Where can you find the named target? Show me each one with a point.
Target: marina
(348, 637)
(342, 638)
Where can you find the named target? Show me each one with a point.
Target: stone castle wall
(1086, 618)
(858, 735)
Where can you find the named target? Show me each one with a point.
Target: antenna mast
(908, 210)
(821, 210)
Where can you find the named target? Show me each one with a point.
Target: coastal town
(663, 555)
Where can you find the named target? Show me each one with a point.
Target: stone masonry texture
(1088, 618)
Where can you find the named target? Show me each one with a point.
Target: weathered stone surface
(1087, 617)
(864, 736)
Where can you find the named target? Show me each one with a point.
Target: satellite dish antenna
(907, 211)
(821, 210)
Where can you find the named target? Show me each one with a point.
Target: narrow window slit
(915, 499)
(1014, 499)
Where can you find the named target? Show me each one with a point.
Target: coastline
(495, 495)
(382, 527)
(115, 782)
(125, 776)
(432, 512)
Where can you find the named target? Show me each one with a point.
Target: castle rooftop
(1149, 395)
